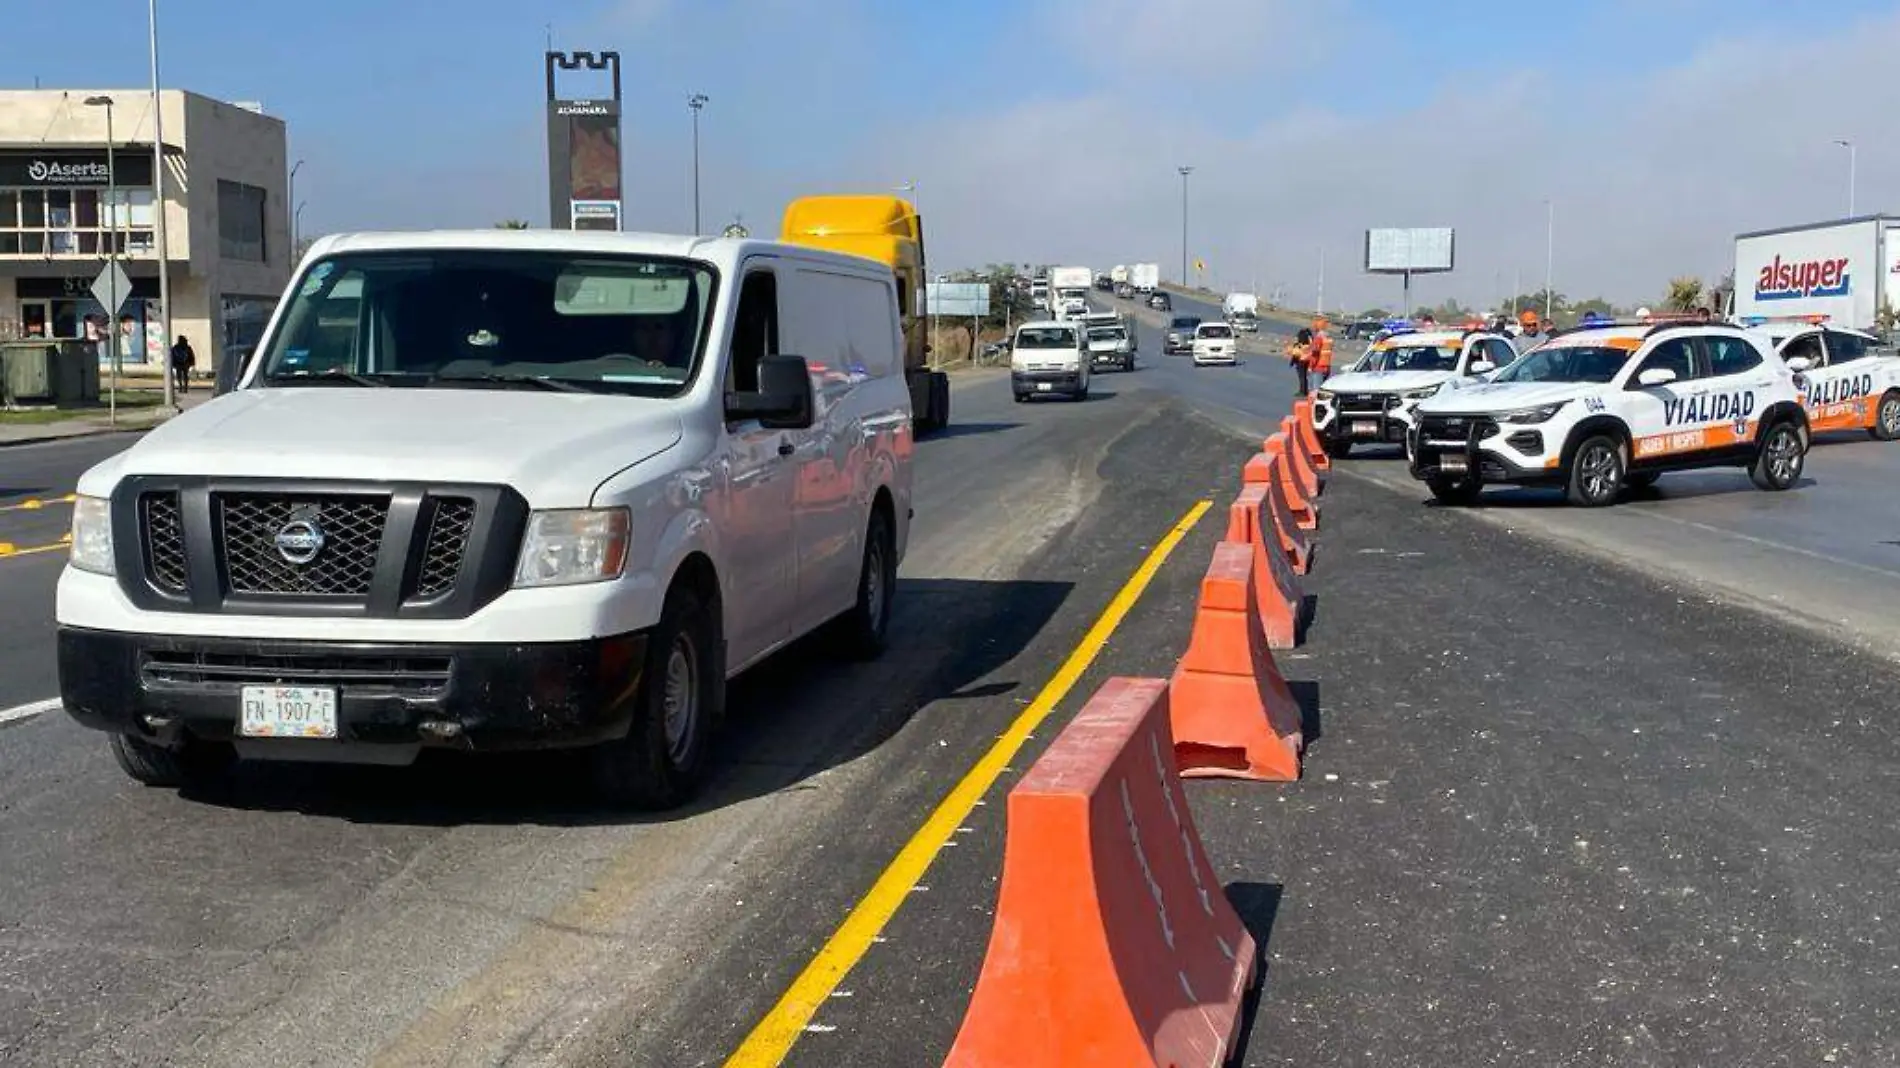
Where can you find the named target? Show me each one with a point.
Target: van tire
(194, 764)
(1781, 459)
(1887, 417)
(654, 767)
(1597, 468)
(862, 632)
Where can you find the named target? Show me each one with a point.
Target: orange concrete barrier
(1233, 714)
(1243, 516)
(1113, 943)
(1276, 588)
(1308, 437)
(1285, 523)
(1311, 481)
(1280, 451)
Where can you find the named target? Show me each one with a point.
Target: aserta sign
(68, 170)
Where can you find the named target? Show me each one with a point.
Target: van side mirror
(784, 398)
(1656, 376)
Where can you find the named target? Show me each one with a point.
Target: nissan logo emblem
(299, 541)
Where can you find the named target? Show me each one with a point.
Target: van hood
(555, 449)
(1505, 397)
(1386, 381)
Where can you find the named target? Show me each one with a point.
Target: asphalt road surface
(1556, 811)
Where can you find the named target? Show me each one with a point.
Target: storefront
(71, 201)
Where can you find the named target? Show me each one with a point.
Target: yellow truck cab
(886, 229)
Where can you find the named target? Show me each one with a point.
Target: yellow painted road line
(773, 1038)
(7, 548)
(34, 504)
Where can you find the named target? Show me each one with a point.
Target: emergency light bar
(1763, 320)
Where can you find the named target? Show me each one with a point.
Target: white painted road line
(27, 711)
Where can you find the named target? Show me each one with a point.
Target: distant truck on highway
(886, 229)
(1845, 271)
(1242, 312)
(1145, 277)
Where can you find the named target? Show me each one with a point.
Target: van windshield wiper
(559, 385)
(336, 376)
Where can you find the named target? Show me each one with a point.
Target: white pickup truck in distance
(1111, 344)
(499, 490)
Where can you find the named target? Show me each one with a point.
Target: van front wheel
(661, 761)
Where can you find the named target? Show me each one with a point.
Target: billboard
(964, 299)
(1409, 251)
(584, 151)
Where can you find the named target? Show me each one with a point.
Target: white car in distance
(1214, 345)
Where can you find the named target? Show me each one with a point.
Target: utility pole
(1550, 255)
(697, 101)
(1852, 178)
(112, 265)
(158, 208)
(1184, 172)
(290, 197)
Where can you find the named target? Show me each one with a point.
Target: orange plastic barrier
(1243, 516)
(1233, 714)
(1276, 588)
(1285, 523)
(1113, 944)
(1305, 507)
(1310, 479)
(1308, 437)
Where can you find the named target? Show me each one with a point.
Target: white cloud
(1200, 41)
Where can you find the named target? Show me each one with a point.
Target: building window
(240, 222)
(75, 222)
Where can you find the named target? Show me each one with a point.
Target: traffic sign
(111, 288)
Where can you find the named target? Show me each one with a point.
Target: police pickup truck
(1607, 407)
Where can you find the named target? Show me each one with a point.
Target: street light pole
(1184, 171)
(697, 101)
(290, 196)
(158, 208)
(296, 228)
(1550, 255)
(112, 263)
(1853, 161)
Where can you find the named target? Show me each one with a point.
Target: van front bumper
(475, 697)
(1024, 382)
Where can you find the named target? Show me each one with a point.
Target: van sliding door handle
(786, 448)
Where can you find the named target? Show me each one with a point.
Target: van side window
(754, 331)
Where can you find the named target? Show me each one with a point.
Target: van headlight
(569, 546)
(1540, 414)
(1421, 394)
(92, 535)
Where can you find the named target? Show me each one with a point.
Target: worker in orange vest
(1322, 357)
(1299, 354)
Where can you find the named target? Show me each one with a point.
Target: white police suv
(1848, 379)
(1610, 406)
(1373, 402)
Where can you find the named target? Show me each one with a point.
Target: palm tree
(1685, 294)
(512, 224)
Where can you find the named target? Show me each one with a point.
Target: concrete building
(227, 215)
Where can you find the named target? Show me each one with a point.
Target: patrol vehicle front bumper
(1480, 447)
(1362, 417)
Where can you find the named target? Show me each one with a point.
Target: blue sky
(1049, 129)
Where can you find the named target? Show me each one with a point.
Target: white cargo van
(1049, 358)
(499, 490)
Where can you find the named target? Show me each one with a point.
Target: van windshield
(532, 319)
(1045, 337)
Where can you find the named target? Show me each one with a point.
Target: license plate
(1454, 461)
(1365, 428)
(287, 712)
(1044, 387)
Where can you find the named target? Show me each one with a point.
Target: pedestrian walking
(183, 360)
